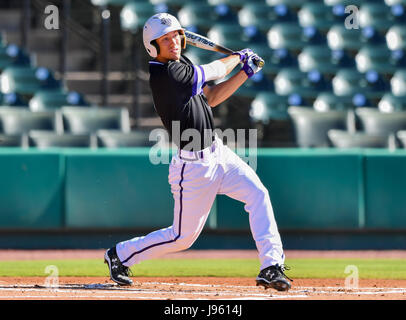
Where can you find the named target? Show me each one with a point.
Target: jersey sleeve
(190, 77)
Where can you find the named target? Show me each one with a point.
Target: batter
(203, 167)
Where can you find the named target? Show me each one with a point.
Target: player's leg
(240, 182)
(194, 188)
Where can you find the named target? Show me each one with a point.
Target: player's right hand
(250, 66)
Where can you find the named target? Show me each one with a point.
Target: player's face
(169, 47)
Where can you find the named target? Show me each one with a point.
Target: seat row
(362, 128)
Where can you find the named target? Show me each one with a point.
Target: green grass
(300, 268)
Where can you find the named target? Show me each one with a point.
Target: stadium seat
(381, 123)
(396, 37)
(199, 56)
(12, 55)
(79, 120)
(293, 4)
(345, 140)
(11, 140)
(55, 99)
(377, 15)
(318, 58)
(236, 4)
(328, 101)
(27, 80)
(296, 84)
(317, 14)
(338, 37)
(228, 35)
(264, 16)
(134, 15)
(43, 139)
(398, 83)
(102, 3)
(119, 139)
(401, 135)
(269, 106)
(391, 103)
(362, 88)
(204, 16)
(311, 126)
(16, 121)
(258, 83)
(375, 58)
(344, 2)
(12, 100)
(286, 36)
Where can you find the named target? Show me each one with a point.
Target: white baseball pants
(194, 184)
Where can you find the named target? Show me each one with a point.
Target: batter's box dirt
(82, 288)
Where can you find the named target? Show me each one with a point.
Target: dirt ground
(194, 288)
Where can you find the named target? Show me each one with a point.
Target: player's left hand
(244, 54)
(250, 66)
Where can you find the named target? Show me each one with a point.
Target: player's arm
(222, 91)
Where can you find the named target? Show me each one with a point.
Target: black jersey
(177, 90)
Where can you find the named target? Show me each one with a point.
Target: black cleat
(273, 277)
(118, 272)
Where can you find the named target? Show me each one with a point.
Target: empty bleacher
(318, 72)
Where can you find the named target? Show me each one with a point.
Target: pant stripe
(180, 221)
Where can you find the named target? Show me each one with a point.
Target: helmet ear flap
(155, 44)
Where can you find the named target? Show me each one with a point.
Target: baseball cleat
(273, 277)
(118, 272)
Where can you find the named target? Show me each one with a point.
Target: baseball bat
(202, 42)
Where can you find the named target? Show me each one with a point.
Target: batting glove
(250, 67)
(244, 54)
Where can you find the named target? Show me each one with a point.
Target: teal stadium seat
(235, 4)
(286, 36)
(317, 14)
(391, 103)
(203, 16)
(319, 58)
(340, 38)
(362, 89)
(228, 35)
(327, 101)
(268, 106)
(294, 83)
(396, 37)
(118, 139)
(27, 80)
(44, 140)
(17, 121)
(199, 56)
(377, 15)
(375, 58)
(264, 16)
(398, 83)
(311, 127)
(134, 15)
(55, 99)
(293, 4)
(78, 120)
(343, 139)
(12, 55)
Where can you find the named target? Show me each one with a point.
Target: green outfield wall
(100, 189)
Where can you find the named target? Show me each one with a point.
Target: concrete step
(76, 60)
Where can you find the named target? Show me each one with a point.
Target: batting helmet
(157, 26)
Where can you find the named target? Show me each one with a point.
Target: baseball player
(200, 169)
